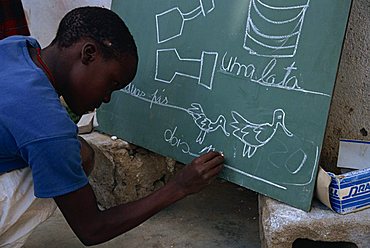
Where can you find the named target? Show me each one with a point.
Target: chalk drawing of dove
(204, 123)
(257, 135)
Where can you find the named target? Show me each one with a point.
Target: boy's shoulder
(12, 39)
(19, 40)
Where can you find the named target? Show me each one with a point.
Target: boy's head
(97, 56)
(102, 26)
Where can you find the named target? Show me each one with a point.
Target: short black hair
(101, 25)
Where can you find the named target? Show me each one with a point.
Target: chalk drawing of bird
(256, 135)
(204, 123)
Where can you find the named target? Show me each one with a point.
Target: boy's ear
(88, 53)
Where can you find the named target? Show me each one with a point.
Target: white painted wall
(43, 16)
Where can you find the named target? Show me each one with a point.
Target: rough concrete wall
(124, 172)
(281, 225)
(349, 116)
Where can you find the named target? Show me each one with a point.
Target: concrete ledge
(281, 225)
(124, 172)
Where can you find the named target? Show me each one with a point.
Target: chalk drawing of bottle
(170, 23)
(274, 31)
(169, 64)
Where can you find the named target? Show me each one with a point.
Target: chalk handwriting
(132, 90)
(207, 149)
(289, 81)
(158, 99)
(169, 136)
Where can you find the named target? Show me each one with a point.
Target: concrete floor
(223, 215)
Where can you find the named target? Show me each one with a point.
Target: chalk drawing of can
(274, 31)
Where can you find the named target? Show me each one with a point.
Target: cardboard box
(344, 193)
(348, 192)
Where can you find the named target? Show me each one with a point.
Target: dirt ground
(223, 215)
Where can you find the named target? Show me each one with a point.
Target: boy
(92, 55)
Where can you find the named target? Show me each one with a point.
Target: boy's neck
(47, 63)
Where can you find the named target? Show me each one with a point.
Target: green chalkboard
(251, 78)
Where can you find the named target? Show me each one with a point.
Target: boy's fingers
(214, 162)
(212, 165)
(213, 172)
(208, 156)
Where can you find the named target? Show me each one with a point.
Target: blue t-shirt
(35, 129)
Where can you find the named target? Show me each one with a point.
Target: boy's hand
(200, 173)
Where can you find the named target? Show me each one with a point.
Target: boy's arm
(87, 156)
(93, 226)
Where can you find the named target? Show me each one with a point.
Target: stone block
(281, 225)
(124, 172)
